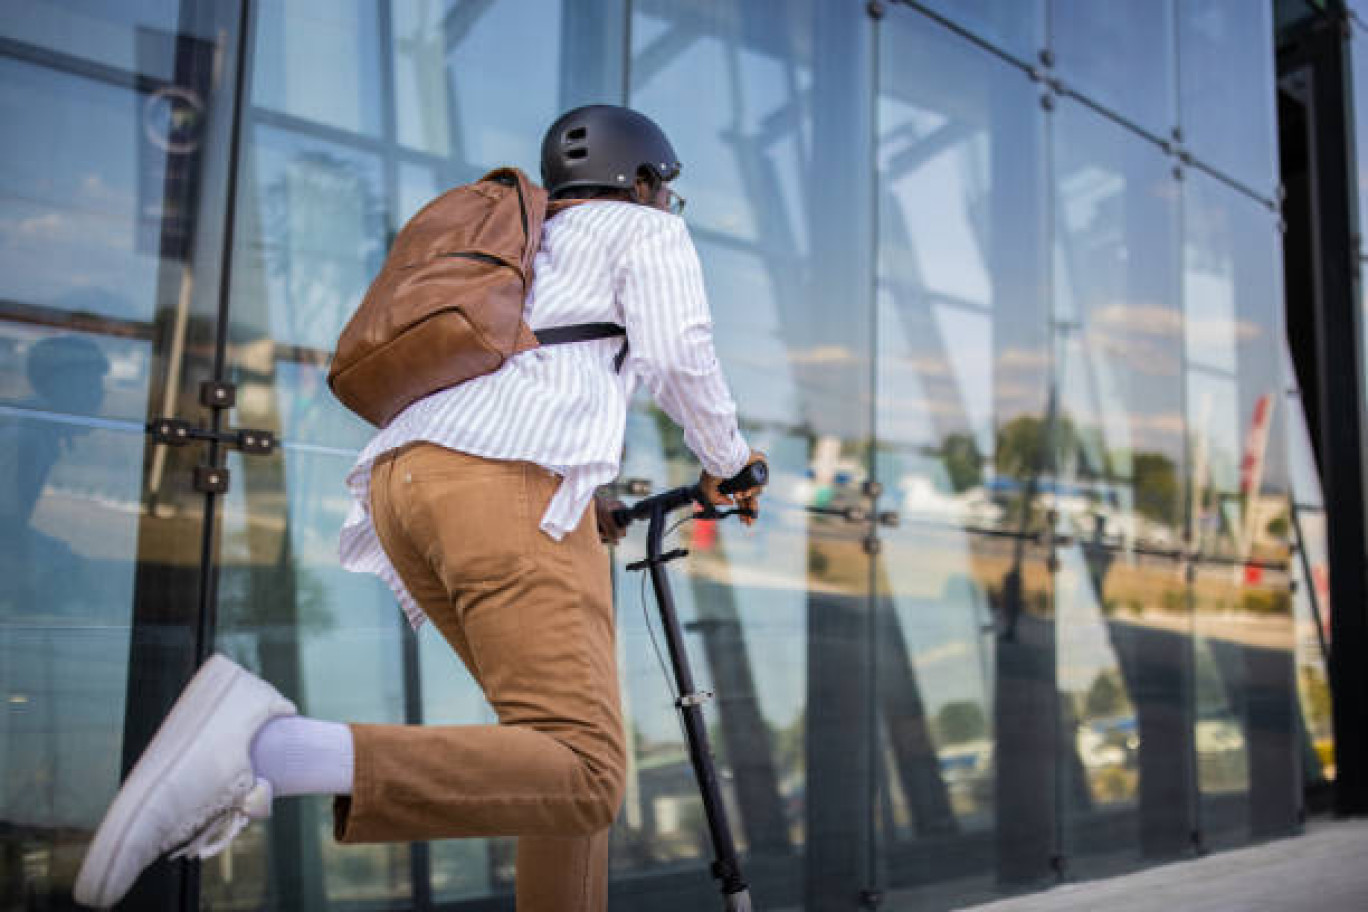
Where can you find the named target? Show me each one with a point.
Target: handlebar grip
(755, 475)
(622, 516)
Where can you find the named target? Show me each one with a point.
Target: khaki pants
(532, 618)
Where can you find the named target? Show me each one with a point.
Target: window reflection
(1125, 618)
(82, 200)
(1120, 54)
(966, 634)
(776, 610)
(1027, 645)
(328, 640)
(1311, 598)
(1312, 617)
(329, 176)
(69, 494)
(1226, 75)
(1240, 522)
(1016, 26)
(460, 868)
(72, 188)
(1239, 467)
(319, 61)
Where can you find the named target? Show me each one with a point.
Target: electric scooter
(726, 867)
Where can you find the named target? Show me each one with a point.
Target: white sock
(300, 756)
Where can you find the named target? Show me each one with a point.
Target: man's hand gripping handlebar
(708, 494)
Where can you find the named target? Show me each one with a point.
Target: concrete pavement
(1325, 869)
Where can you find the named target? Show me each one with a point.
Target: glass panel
(1123, 613)
(316, 212)
(330, 641)
(1233, 339)
(1358, 76)
(73, 183)
(1311, 599)
(1227, 88)
(475, 81)
(1016, 26)
(107, 33)
(461, 868)
(310, 239)
(1303, 473)
(1120, 55)
(1244, 726)
(1312, 615)
(1358, 87)
(101, 195)
(69, 503)
(1222, 746)
(778, 613)
(319, 60)
(966, 629)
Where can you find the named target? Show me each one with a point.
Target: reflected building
(1032, 304)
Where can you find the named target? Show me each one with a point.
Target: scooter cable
(650, 631)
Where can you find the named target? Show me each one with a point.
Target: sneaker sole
(207, 689)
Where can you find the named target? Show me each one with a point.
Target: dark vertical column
(837, 748)
(1339, 400)
(170, 609)
(1274, 735)
(1154, 665)
(593, 52)
(1271, 727)
(420, 865)
(839, 305)
(745, 736)
(1025, 702)
(909, 731)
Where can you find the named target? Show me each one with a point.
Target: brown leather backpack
(447, 305)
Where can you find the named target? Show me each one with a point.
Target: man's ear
(642, 191)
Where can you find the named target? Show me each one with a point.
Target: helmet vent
(577, 133)
(577, 154)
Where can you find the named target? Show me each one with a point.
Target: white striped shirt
(564, 407)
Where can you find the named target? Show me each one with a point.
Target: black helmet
(604, 146)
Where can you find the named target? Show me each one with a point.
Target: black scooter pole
(726, 867)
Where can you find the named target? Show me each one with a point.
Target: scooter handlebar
(755, 475)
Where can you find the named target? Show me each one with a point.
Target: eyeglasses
(674, 203)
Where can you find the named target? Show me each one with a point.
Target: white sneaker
(193, 790)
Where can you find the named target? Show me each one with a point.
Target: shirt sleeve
(669, 333)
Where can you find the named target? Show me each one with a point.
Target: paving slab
(1325, 869)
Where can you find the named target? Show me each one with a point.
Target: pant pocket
(471, 527)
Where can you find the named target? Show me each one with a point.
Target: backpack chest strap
(585, 332)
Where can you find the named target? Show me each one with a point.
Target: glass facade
(998, 289)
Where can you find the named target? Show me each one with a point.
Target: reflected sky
(1160, 296)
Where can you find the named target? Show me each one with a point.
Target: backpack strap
(585, 332)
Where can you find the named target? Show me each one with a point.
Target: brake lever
(710, 512)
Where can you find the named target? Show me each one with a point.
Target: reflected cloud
(926, 365)
(96, 191)
(823, 354)
(1149, 320)
(84, 230)
(946, 652)
(1023, 359)
(47, 227)
(1162, 423)
(1209, 332)
(1152, 357)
